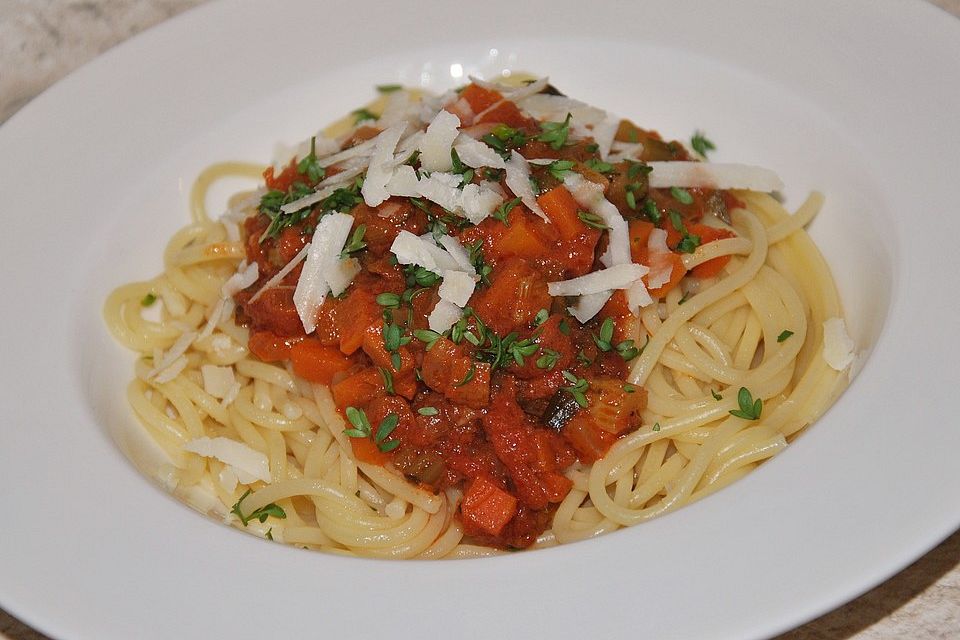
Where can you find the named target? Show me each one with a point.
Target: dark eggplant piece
(562, 407)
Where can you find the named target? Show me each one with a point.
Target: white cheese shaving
(457, 251)
(589, 305)
(603, 134)
(401, 105)
(620, 151)
(513, 93)
(518, 180)
(590, 195)
(661, 266)
(172, 371)
(364, 149)
(713, 176)
(638, 297)
(249, 464)
(322, 258)
(476, 154)
(324, 188)
(246, 275)
(442, 188)
(380, 171)
(176, 350)
(437, 142)
(457, 287)
(837, 344)
(412, 249)
(443, 316)
(478, 202)
(217, 381)
(403, 182)
(620, 276)
(283, 273)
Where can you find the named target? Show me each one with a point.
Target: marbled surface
(43, 40)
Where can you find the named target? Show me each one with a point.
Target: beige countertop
(43, 40)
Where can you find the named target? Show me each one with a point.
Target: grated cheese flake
(518, 180)
(620, 276)
(457, 287)
(713, 176)
(245, 276)
(249, 464)
(381, 167)
(590, 195)
(437, 142)
(443, 316)
(412, 249)
(217, 381)
(837, 344)
(322, 258)
(589, 305)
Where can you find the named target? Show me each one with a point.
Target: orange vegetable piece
(358, 389)
(561, 208)
(487, 507)
(480, 98)
(366, 450)
(314, 362)
(710, 268)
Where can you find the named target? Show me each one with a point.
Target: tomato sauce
(516, 392)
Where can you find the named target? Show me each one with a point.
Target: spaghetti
(731, 368)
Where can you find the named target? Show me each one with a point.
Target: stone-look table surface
(43, 40)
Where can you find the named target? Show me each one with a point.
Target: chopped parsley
(784, 335)
(577, 389)
(427, 411)
(749, 408)
(363, 114)
(388, 300)
(541, 317)
(363, 429)
(478, 262)
(465, 172)
(504, 210)
(260, 514)
(689, 242)
(681, 195)
(427, 336)
(468, 376)
(356, 242)
(701, 144)
(548, 360)
(560, 168)
(716, 396)
(652, 211)
(148, 300)
(310, 165)
(389, 88)
(503, 138)
(591, 220)
(656, 426)
(600, 166)
(387, 380)
(555, 133)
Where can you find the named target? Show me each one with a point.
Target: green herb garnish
(555, 133)
(591, 220)
(504, 210)
(784, 335)
(701, 144)
(362, 114)
(681, 195)
(749, 408)
(260, 514)
(148, 300)
(578, 388)
(363, 429)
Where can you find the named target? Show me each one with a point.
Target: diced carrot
(557, 485)
(270, 347)
(314, 362)
(366, 450)
(522, 239)
(639, 237)
(677, 272)
(509, 114)
(480, 98)
(358, 389)
(516, 293)
(590, 441)
(612, 408)
(487, 507)
(355, 313)
(469, 383)
(561, 208)
(283, 181)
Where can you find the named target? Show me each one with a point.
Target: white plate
(857, 99)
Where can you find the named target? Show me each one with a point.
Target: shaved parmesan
(713, 176)
(172, 371)
(518, 180)
(443, 316)
(442, 188)
(661, 264)
(620, 151)
(380, 171)
(590, 195)
(411, 249)
(837, 344)
(318, 269)
(437, 142)
(458, 253)
(283, 273)
(638, 297)
(479, 201)
(324, 189)
(513, 93)
(457, 287)
(403, 182)
(341, 273)
(476, 154)
(363, 149)
(249, 464)
(620, 276)
(217, 381)
(603, 133)
(176, 350)
(245, 276)
(401, 105)
(589, 305)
